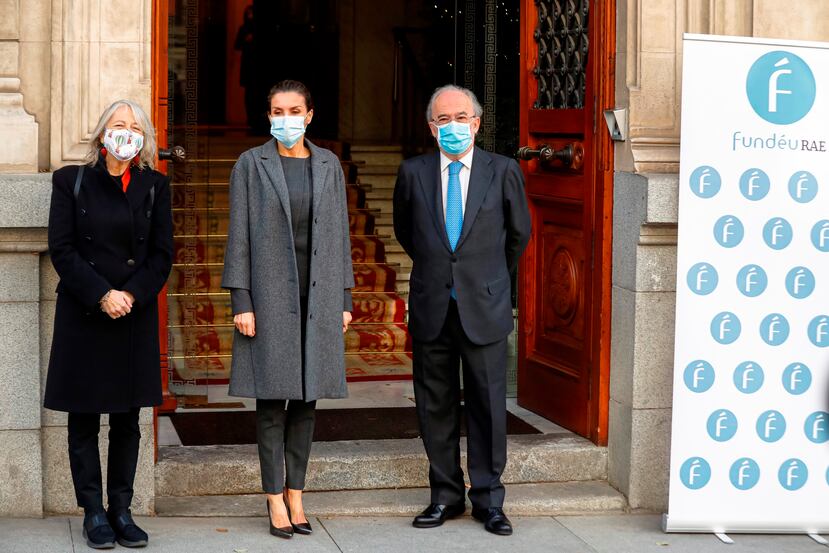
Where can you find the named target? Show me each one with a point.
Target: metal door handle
(174, 154)
(571, 155)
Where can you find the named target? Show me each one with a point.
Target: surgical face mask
(288, 129)
(454, 138)
(123, 144)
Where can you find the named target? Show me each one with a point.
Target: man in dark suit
(462, 216)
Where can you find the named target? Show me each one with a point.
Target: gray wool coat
(260, 258)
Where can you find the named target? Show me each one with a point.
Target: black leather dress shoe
(435, 514)
(494, 519)
(303, 528)
(286, 532)
(97, 532)
(127, 531)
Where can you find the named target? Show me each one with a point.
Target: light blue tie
(454, 208)
(454, 204)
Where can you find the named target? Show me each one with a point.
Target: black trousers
(284, 435)
(438, 396)
(85, 460)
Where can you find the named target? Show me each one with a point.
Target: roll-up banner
(750, 430)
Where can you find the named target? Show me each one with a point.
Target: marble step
(545, 499)
(369, 464)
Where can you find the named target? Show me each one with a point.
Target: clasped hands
(246, 323)
(117, 303)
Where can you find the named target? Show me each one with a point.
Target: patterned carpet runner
(378, 345)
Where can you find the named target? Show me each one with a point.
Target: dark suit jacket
(496, 228)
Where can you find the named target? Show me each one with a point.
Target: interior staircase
(377, 344)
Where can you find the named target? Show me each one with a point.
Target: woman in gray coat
(288, 268)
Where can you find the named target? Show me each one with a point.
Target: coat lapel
(319, 174)
(480, 180)
(270, 169)
(139, 187)
(430, 183)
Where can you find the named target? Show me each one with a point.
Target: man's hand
(346, 320)
(245, 323)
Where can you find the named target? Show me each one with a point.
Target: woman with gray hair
(111, 243)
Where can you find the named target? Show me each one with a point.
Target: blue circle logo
(820, 235)
(771, 426)
(800, 283)
(702, 279)
(705, 181)
(803, 187)
(819, 331)
(749, 377)
(728, 231)
(793, 474)
(817, 427)
(781, 87)
(752, 281)
(722, 425)
(725, 328)
(699, 376)
(695, 473)
(744, 473)
(774, 329)
(797, 378)
(777, 233)
(754, 184)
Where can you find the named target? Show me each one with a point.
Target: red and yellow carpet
(377, 345)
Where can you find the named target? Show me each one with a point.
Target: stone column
(18, 129)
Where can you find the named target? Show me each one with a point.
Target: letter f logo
(774, 90)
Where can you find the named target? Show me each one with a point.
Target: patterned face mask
(123, 144)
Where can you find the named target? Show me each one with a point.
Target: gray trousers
(284, 435)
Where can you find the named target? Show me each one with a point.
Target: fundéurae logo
(722, 425)
(705, 181)
(777, 233)
(800, 283)
(699, 376)
(803, 187)
(816, 427)
(702, 279)
(820, 235)
(793, 474)
(774, 329)
(771, 425)
(749, 377)
(725, 327)
(781, 87)
(695, 473)
(754, 184)
(744, 473)
(797, 378)
(819, 331)
(729, 231)
(752, 281)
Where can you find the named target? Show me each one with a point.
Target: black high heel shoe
(287, 532)
(303, 528)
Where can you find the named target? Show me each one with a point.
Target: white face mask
(123, 144)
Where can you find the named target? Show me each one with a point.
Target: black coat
(107, 240)
(496, 229)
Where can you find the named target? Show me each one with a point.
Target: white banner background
(744, 448)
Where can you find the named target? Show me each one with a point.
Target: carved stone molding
(101, 52)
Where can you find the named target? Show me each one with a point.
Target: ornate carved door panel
(564, 305)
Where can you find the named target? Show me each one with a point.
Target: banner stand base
(723, 537)
(820, 539)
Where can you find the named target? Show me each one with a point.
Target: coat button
(311, 316)
(448, 286)
(313, 283)
(131, 262)
(315, 251)
(315, 220)
(140, 238)
(149, 214)
(88, 238)
(83, 212)
(454, 259)
(91, 263)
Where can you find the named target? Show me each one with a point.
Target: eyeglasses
(461, 118)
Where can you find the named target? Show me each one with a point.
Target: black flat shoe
(287, 532)
(494, 519)
(303, 528)
(435, 514)
(127, 532)
(97, 531)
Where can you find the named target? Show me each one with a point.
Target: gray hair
(476, 105)
(146, 157)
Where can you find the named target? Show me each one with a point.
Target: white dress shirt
(463, 176)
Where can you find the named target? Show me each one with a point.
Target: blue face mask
(454, 138)
(288, 129)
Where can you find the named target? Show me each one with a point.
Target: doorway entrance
(371, 72)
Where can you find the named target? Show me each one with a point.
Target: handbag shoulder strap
(78, 181)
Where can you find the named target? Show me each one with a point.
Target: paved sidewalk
(565, 534)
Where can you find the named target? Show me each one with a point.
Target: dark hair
(291, 86)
